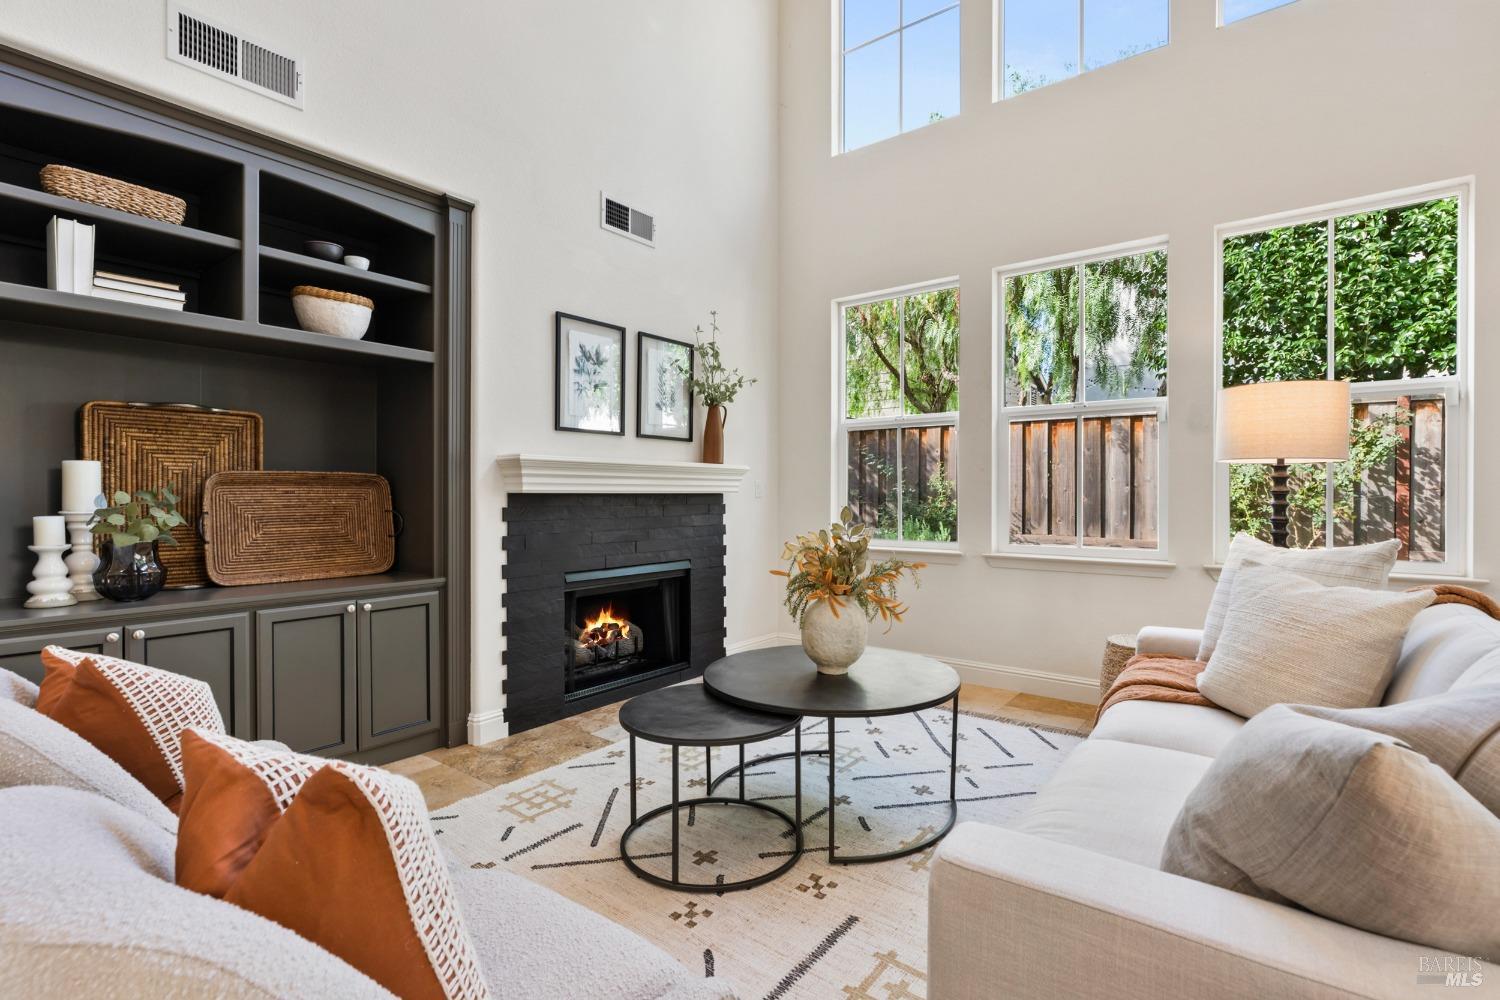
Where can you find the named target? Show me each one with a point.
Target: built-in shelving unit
(394, 403)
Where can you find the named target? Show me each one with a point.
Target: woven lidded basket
(96, 189)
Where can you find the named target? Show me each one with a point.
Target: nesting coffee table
(782, 680)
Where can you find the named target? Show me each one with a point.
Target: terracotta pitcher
(713, 435)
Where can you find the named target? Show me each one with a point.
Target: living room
(484, 368)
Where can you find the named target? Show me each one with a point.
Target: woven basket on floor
(1117, 650)
(96, 189)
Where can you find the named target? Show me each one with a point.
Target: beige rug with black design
(852, 932)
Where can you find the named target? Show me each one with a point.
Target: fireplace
(622, 626)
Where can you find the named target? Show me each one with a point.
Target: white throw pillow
(14, 687)
(1367, 566)
(1287, 638)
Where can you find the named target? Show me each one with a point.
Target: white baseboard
(759, 642)
(1039, 682)
(487, 727)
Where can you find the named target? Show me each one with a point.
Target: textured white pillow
(14, 687)
(34, 750)
(1290, 639)
(1367, 566)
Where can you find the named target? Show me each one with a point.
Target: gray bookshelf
(370, 668)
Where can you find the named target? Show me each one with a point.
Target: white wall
(529, 108)
(1317, 102)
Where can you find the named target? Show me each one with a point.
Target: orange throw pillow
(133, 713)
(341, 854)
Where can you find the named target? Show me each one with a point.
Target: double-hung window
(1083, 343)
(1044, 41)
(1370, 293)
(898, 67)
(899, 429)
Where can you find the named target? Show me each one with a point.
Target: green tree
(873, 339)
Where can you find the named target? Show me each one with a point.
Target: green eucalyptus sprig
(142, 517)
(716, 385)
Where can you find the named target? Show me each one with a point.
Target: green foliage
(144, 517)
(1124, 342)
(715, 384)
(834, 565)
(920, 341)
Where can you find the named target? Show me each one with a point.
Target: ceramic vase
(129, 572)
(713, 435)
(834, 642)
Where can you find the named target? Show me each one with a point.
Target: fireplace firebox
(622, 626)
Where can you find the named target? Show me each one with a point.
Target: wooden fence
(1404, 498)
(926, 453)
(1120, 464)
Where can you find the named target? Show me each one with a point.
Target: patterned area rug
(820, 930)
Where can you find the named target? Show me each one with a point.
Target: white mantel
(528, 473)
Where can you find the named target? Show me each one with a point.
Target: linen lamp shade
(1291, 422)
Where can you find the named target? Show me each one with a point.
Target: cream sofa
(1069, 900)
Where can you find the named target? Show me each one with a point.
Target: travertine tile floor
(447, 775)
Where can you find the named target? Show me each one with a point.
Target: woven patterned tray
(96, 189)
(145, 445)
(276, 527)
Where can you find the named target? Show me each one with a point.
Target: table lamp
(1280, 424)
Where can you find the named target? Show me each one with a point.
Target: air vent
(229, 55)
(620, 218)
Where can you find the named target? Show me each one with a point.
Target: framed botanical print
(589, 390)
(663, 397)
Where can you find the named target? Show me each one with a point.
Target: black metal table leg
(742, 774)
(632, 777)
(797, 770)
(674, 813)
(953, 757)
(708, 768)
(833, 791)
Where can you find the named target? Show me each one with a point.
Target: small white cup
(363, 263)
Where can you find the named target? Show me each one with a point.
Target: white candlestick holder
(49, 587)
(81, 560)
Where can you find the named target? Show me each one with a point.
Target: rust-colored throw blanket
(1157, 677)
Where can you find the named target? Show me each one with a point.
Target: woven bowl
(337, 314)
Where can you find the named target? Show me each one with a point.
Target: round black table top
(687, 715)
(783, 679)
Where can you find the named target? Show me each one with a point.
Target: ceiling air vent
(231, 56)
(622, 219)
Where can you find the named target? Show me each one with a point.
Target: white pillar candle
(82, 482)
(48, 530)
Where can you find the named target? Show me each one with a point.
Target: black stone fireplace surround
(554, 540)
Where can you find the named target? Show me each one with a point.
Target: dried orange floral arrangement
(834, 565)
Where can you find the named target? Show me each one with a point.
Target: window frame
(1456, 390)
(1005, 415)
(843, 424)
(997, 60)
(840, 53)
(1221, 23)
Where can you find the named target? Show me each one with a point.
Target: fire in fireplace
(623, 625)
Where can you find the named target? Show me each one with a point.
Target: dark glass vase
(129, 572)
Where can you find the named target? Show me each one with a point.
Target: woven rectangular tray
(143, 446)
(276, 527)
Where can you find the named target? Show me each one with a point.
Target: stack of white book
(128, 288)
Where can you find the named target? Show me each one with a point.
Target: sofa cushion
(1459, 731)
(1116, 798)
(340, 853)
(1189, 728)
(1350, 824)
(34, 750)
(1443, 643)
(1485, 672)
(522, 930)
(134, 713)
(1366, 566)
(88, 909)
(14, 687)
(1287, 638)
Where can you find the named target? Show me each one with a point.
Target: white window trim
(842, 424)
(1004, 415)
(1456, 390)
(1220, 22)
(839, 53)
(997, 57)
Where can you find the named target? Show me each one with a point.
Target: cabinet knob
(369, 607)
(349, 610)
(139, 633)
(112, 637)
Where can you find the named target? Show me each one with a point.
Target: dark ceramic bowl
(324, 250)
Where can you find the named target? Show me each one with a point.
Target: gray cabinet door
(399, 668)
(24, 655)
(306, 668)
(214, 650)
